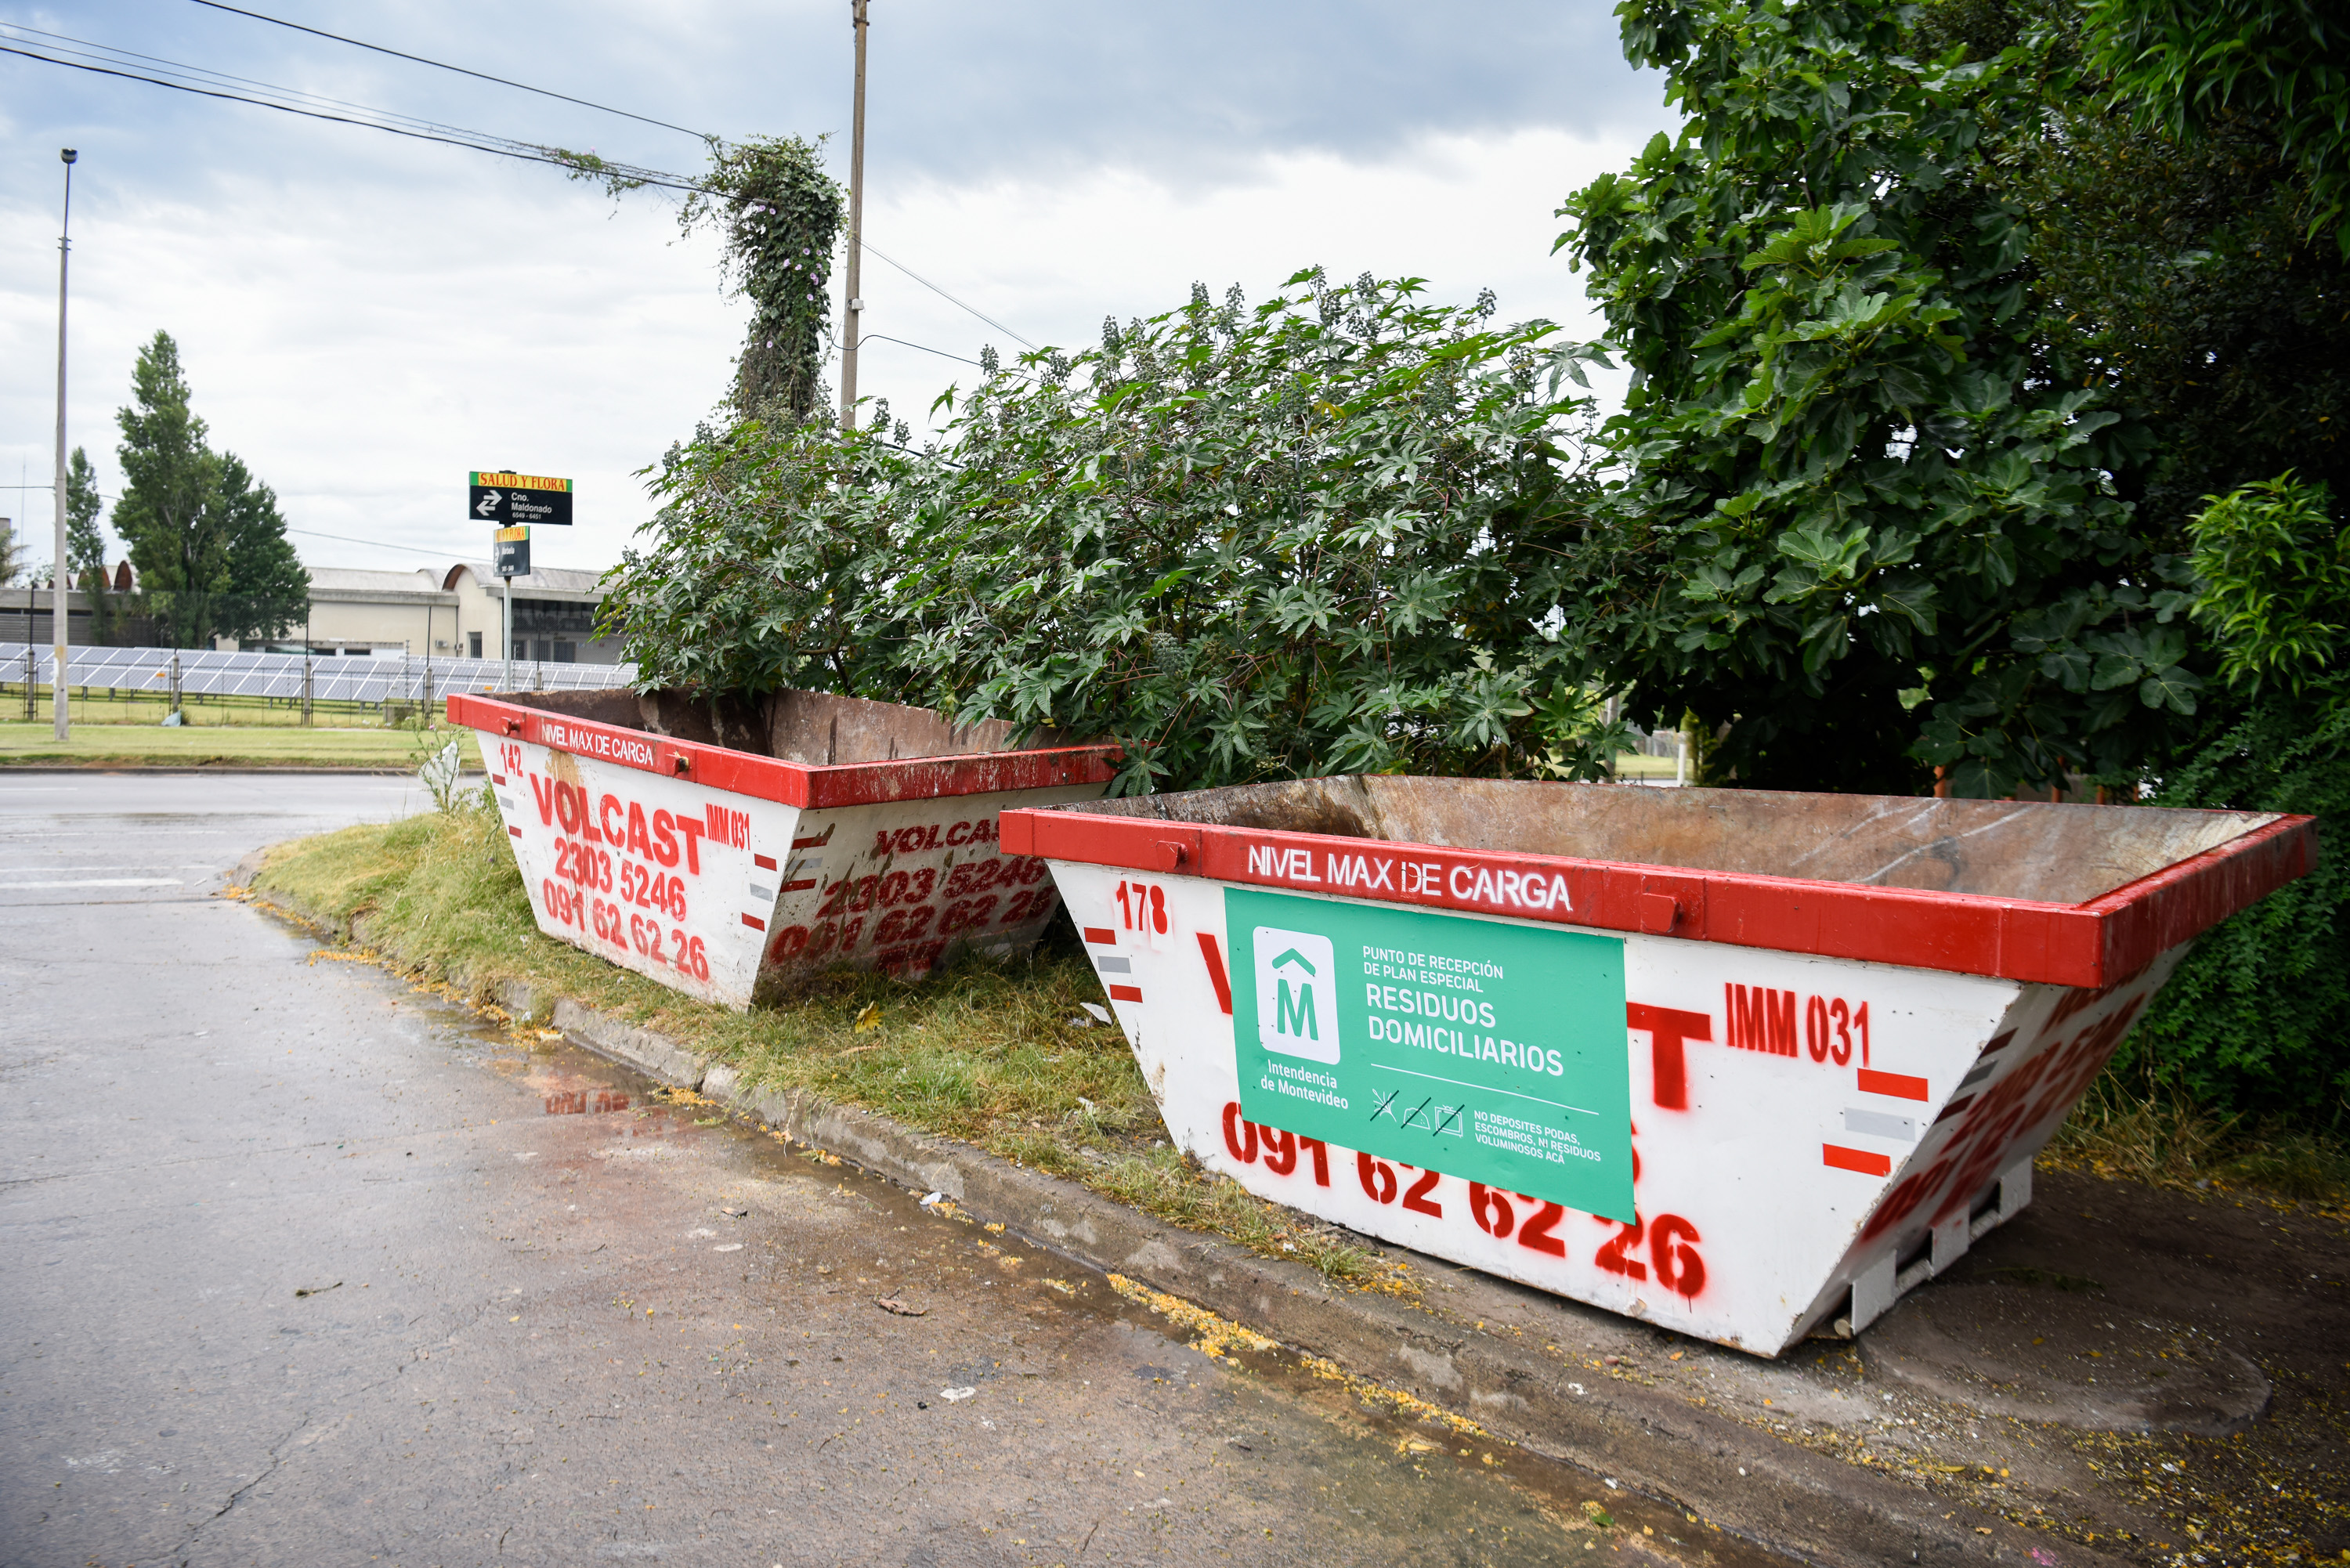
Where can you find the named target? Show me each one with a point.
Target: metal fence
(160, 671)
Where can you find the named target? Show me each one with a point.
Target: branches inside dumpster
(1323, 533)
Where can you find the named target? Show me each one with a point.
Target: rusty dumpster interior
(2042, 851)
(814, 727)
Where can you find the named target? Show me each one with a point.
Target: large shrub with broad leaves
(1324, 534)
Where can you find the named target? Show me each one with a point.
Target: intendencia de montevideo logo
(1296, 994)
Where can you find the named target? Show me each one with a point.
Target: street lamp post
(62, 578)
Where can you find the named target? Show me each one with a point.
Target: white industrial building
(452, 614)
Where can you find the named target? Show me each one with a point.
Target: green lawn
(1640, 765)
(198, 744)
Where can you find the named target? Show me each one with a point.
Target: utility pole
(855, 301)
(64, 578)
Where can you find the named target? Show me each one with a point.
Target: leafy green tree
(2257, 1020)
(2193, 68)
(1871, 523)
(85, 531)
(2190, 289)
(165, 513)
(1321, 535)
(2178, 252)
(12, 554)
(207, 541)
(2179, 260)
(265, 588)
(2188, 236)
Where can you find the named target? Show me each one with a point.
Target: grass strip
(1003, 1055)
(1000, 1055)
(2151, 1132)
(225, 745)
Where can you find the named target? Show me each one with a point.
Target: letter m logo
(1296, 993)
(1292, 1013)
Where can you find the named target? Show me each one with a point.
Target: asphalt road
(307, 1266)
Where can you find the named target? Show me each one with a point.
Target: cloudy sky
(363, 317)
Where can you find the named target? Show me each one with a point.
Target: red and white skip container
(725, 848)
(1744, 1065)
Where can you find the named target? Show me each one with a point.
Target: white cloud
(1050, 259)
(363, 319)
(361, 350)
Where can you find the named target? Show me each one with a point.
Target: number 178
(1142, 905)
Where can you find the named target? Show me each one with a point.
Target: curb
(1478, 1354)
(199, 769)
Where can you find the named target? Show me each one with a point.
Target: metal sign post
(512, 546)
(512, 502)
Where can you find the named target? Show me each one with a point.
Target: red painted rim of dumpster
(790, 784)
(2092, 944)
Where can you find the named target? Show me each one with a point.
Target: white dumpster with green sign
(1745, 1065)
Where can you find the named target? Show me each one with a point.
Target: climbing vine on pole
(781, 214)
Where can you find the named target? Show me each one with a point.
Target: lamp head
(69, 154)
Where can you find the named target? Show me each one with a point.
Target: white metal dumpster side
(724, 874)
(1811, 1132)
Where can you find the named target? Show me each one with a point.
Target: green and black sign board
(504, 499)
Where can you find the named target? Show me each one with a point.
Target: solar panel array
(203, 671)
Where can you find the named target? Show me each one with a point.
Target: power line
(950, 298)
(460, 70)
(307, 532)
(377, 543)
(108, 61)
(451, 136)
(108, 54)
(867, 338)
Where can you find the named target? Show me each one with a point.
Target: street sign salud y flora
(510, 498)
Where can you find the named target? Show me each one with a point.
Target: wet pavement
(306, 1266)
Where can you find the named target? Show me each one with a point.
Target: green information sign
(1490, 1052)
